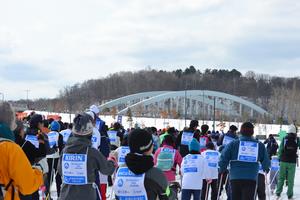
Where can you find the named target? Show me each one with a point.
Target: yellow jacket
(15, 166)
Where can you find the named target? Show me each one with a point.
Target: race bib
(227, 140)
(190, 164)
(186, 138)
(53, 139)
(212, 158)
(275, 164)
(66, 135)
(74, 169)
(123, 151)
(112, 136)
(33, 140)
(248, 151)
(202, 142)
(129, 186)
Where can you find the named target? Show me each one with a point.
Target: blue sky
(46, 45)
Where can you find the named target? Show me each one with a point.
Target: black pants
(53, 172)
(213, 189)
(261, 187)
(243, 189)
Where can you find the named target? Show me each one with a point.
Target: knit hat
(140, 141)
(292, 129)
(233, 128)
(55, 126)
(204, 128)
(247, 129)
(94, 109)
(194, 145)
(34, 120)
(82, 125)
(91, 114)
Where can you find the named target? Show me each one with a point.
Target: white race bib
(53, 139)
(212, 158)
(190, 164)
(248, 151)
(33, 140)
(227, 140)
(66, 134)
(112, 137)
(186, 138)
(129, 186)
(74, 169)
(275, 164)
(202, 142)
(123, 151)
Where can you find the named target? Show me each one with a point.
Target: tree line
(278, 95)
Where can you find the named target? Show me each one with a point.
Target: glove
(42, 165)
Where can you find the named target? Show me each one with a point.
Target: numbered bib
(202, 142)
(66, 134)
(212, 158)
(33, 140)
(275, 164)
(227, 140)
(53, 139)
(186, 138)
(129, 186)
(74, 169)
(165, 159)
(248, 151)
(190, 164)
(123, 151)
(112, 137)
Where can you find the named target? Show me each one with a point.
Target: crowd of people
(87, 156)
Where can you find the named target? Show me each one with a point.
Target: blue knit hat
(55, 126)
(194, 145)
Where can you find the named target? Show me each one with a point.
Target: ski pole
(219, 189)
(274, 177)
(113, 179)
(267, 186)
(207, 190)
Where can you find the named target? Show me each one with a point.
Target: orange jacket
(15, 166)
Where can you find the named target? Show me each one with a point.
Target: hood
(78, 144)
(139, 164)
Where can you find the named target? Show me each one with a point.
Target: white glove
(42, 165)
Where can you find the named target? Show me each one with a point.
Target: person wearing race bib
(212, 158)
(16, 173)
(79, 161)
(228, 137)
(287, 154)
(56, 146)
(185, 137)
(243, 156)
(167, 158)
(204, 139)
(194, 169)
(115, 135)
(139, 179)
(274, 173)
(67, 133)
(121, 152)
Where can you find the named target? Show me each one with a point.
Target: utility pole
(27, 91)
(214, 124)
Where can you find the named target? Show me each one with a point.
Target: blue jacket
(239, 169)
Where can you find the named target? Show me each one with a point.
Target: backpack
(165, 159)
(290, 145)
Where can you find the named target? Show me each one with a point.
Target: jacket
(282, 153)
(15, 167)
(95, 162)
(240, 169)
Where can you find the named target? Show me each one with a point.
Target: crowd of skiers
(140, 164)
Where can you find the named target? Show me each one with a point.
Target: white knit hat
(95, 109)
(292, 129)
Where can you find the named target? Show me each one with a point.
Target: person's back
(138, 178)
(79, 162)
(167, 158)
(16, 173)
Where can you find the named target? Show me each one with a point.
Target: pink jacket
(170, 175)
